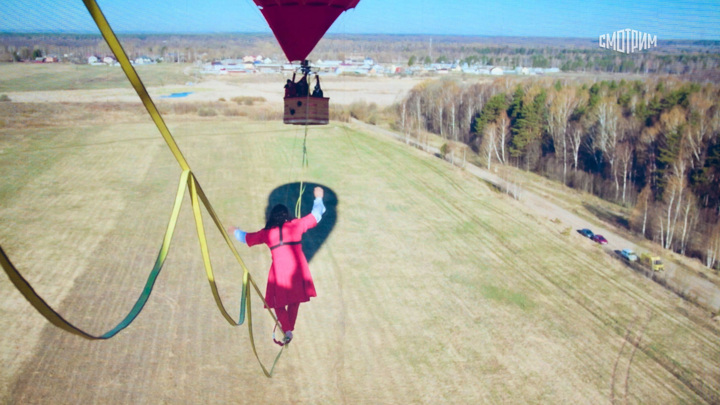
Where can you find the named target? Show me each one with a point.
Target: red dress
(289, 280)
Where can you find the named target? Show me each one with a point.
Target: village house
(143, 60)
(496, 71)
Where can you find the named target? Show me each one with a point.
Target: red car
(600, 239)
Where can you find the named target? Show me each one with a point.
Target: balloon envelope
(298, 25)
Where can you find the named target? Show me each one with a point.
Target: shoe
(288, 337)
(277, 342)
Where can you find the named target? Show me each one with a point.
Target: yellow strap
(134, 79)
(195, 192)
(56, 319)
(187, 180)
(137, 84)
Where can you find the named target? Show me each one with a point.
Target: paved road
(676, 278)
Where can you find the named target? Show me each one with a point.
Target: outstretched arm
(238, 233)
(318, 208)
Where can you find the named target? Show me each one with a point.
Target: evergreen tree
(529, 124)
(706, 180)
(490, 112)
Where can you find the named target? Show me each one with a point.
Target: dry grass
(39, 115)
(246, 100)
(432, 287)
(59, 76)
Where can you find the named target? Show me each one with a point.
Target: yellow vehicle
(654, 262)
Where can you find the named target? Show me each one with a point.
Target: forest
(651, 145)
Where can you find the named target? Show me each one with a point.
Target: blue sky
(544, 18)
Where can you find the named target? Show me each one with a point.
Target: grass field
(432, 287)
(39, 76)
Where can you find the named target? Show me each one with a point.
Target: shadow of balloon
(288, 195)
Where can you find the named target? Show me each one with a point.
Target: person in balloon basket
(290, 89)
(289, 280)
(317, 92)
(302, 87)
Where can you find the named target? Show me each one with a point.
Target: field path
(680, 279)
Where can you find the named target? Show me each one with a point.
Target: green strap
(56, 319)
(187, 181)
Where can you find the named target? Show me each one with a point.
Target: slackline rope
(197, 196)
(305, 163)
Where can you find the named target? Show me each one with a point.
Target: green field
(432, 286)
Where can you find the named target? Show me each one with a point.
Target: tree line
(698, 59)
(652, 145)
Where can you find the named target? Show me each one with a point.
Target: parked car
(654, 262)
(600, 239)
(586, 233)
(628, 255)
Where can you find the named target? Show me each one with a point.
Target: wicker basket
(307, 110)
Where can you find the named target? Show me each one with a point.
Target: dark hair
(278, 216)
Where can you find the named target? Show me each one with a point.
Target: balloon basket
(307, 110)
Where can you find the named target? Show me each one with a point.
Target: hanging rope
(197, 196)
(305, 163)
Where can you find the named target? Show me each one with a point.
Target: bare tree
(562, 105)
(503, 129)
(689, 221)
(575, 138)
(639, 217)
(629, 129)
(672, 125)
(606, 134)
(451, 94)
(415, 101)
(468, 104)
(489, 142)
(676, 201)
(439, 103)
(702, 125)
(624, 152)
(712, 247)
(453, 132)
(404, 120)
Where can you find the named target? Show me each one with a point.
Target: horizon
(348, 34)
(668, 20)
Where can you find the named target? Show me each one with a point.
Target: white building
(143, 60)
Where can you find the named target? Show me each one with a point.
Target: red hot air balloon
(298, 25)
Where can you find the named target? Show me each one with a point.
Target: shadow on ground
(287, 195)
(607, 215)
